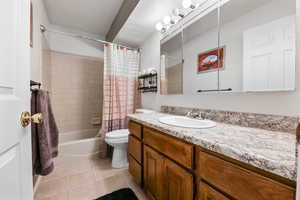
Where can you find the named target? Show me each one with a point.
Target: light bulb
(159, 26)
(178, 12)
(167, 19)
(187, 3)
(175, 19)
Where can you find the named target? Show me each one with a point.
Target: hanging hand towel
(44, 135)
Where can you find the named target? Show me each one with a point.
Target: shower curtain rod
(44, 29)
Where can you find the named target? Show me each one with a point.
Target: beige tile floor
(84, 179)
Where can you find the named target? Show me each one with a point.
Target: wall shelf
(148, 83)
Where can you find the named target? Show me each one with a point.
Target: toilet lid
(118, 133)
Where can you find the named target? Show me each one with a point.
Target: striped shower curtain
(120, 88)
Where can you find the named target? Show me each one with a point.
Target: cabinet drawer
(135, 170)
(135, 148)
(240, 183)
(135, 129)
(208, 193)
(175, 149)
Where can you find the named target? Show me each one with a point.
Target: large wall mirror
(171, 65)
(238, 46)
(259, 40)
(200, 52)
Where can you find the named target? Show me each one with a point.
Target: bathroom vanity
(226, 162)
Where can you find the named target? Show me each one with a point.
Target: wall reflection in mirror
(200, 50)
(260, 45)
(245, 45)
(171, 69)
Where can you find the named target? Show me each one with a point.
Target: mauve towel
(44, 135)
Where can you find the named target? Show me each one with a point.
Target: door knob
(26, 118)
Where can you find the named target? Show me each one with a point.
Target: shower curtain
(120, 88)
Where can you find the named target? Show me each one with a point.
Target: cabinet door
(208, 193)
(178, 182)
(153, 174)
(135, 169)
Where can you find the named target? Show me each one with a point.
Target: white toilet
(118, 139)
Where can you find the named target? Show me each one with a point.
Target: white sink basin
(187, 122)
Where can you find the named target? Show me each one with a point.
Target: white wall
(39, 42)
(57, 42)
(71, 45)
(150, 58)
(281, 103)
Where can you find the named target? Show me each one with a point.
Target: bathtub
(80, 143)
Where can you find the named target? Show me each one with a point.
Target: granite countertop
(268, 150)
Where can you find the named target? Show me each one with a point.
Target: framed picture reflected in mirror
(211, 60)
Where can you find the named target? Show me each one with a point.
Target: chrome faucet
(198, 115)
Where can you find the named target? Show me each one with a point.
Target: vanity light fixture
(160, 27)
(178, 12)
(188, 4)
(175, 19)
(168, 20)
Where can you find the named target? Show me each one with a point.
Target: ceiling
(91, 16)
(96, 16)
(141, 23)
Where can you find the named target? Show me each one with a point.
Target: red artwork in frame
(211, 60)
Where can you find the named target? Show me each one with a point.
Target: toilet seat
(117, 136)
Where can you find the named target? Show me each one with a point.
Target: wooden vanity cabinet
(153, 174)
(179, 183)
(135, 129)
(135, 148)
(206, 192)
(239, 182)
(168, 159)
(172, 169)
(175, 149)
(164, 179)
(135, 169)
(135, 152)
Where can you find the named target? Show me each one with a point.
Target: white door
(15, 141)
(270, 56)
